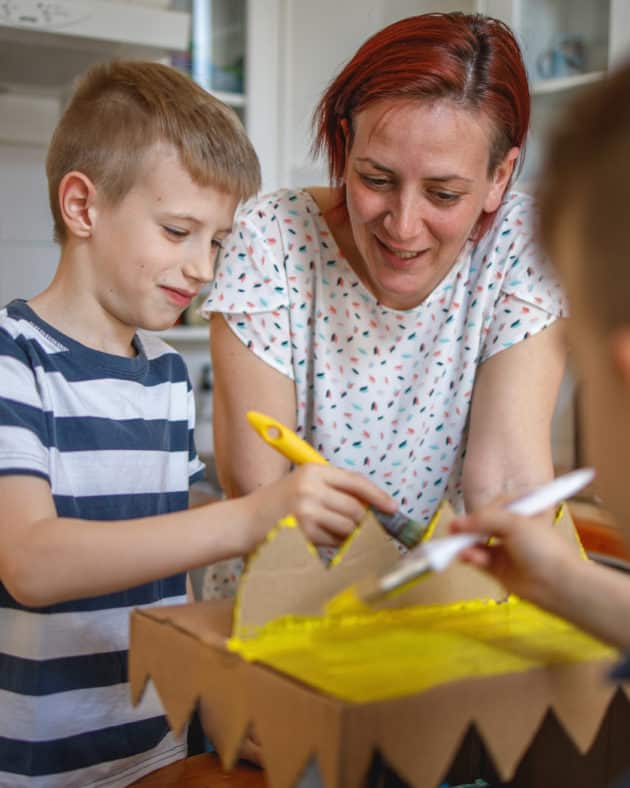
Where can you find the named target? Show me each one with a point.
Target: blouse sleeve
(529, 296)
(251, 289)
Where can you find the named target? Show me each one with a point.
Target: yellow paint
(391, 653)
(346, 602)
(361, 655)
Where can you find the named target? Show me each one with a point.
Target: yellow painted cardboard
(184, 651)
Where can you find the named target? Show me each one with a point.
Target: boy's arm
(535, 562)
(45, 559)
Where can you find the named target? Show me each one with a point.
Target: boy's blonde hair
(119, 110)
(586, 181)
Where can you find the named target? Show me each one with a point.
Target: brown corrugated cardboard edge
(182, 650)
(286, 576)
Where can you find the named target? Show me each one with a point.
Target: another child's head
(468, 60)
(121, 110)
(584, 214)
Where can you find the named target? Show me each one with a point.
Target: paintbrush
(435, 555)
(405, 530)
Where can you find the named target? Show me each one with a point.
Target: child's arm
(45, 559)
(533, 561)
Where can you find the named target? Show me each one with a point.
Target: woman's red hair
(470, 59)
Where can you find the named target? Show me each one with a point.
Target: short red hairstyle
(470, 59)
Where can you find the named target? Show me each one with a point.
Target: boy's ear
(499, 181)
(619, 343)
(77, 196)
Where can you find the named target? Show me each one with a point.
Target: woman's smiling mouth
(403, 255)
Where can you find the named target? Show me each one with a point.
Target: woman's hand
(327, 502)
(527, 556)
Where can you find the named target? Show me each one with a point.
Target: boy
(584, 201)
(145, 170)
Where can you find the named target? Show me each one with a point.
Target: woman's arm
(509, 441)
(244, 382)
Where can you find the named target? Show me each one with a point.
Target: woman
(395, 318)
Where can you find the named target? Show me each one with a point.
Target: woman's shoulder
(513, 227)
(516, 212)
(281, 202)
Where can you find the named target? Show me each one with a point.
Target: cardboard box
(533, 721)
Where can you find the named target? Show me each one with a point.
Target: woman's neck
(331, 203)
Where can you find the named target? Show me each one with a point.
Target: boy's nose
(201, 267)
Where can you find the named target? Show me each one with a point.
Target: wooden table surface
(203, 771)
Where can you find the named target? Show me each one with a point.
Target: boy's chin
(159, 324)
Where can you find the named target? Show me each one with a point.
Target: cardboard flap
(285, 576)
(459, 583)
(314, 729)
(150, 658)
(418, 735)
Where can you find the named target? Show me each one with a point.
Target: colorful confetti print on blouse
(381, 391)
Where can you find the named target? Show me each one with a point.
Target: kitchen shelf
(185, 334)
(231, 99)
(558, 84)
(68, 36)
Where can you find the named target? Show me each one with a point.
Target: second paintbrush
(405, 530)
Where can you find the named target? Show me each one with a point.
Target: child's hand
(327, 502)
(526, 558)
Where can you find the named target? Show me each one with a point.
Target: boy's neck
(70, 305)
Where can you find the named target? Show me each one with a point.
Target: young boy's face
(603, 393)
(154, 250)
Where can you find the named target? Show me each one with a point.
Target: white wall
(315, 40)
(27, 254)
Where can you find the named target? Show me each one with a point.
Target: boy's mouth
(178, 296)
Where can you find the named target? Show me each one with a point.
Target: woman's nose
(404, 220)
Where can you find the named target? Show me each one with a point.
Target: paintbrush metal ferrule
(435, 555)
(405, 530)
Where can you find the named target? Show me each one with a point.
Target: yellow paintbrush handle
(283, 439)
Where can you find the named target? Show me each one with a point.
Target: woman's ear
(77, 196)
(347, 138)
(500, 179)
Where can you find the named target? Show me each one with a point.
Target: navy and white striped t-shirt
(113, 436)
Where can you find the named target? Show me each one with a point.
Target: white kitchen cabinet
(566, 44)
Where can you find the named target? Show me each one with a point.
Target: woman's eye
(374, 181)
(217, 244)
(175, 232)
(445, 197)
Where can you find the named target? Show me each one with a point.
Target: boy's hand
(327, 502)
(527, 557)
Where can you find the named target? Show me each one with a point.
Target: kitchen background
(270, 60)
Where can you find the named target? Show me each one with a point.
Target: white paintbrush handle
(437, 554)
(553, 493)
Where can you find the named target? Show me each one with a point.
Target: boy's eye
(175, 232)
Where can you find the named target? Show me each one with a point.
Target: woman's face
(416, 182)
